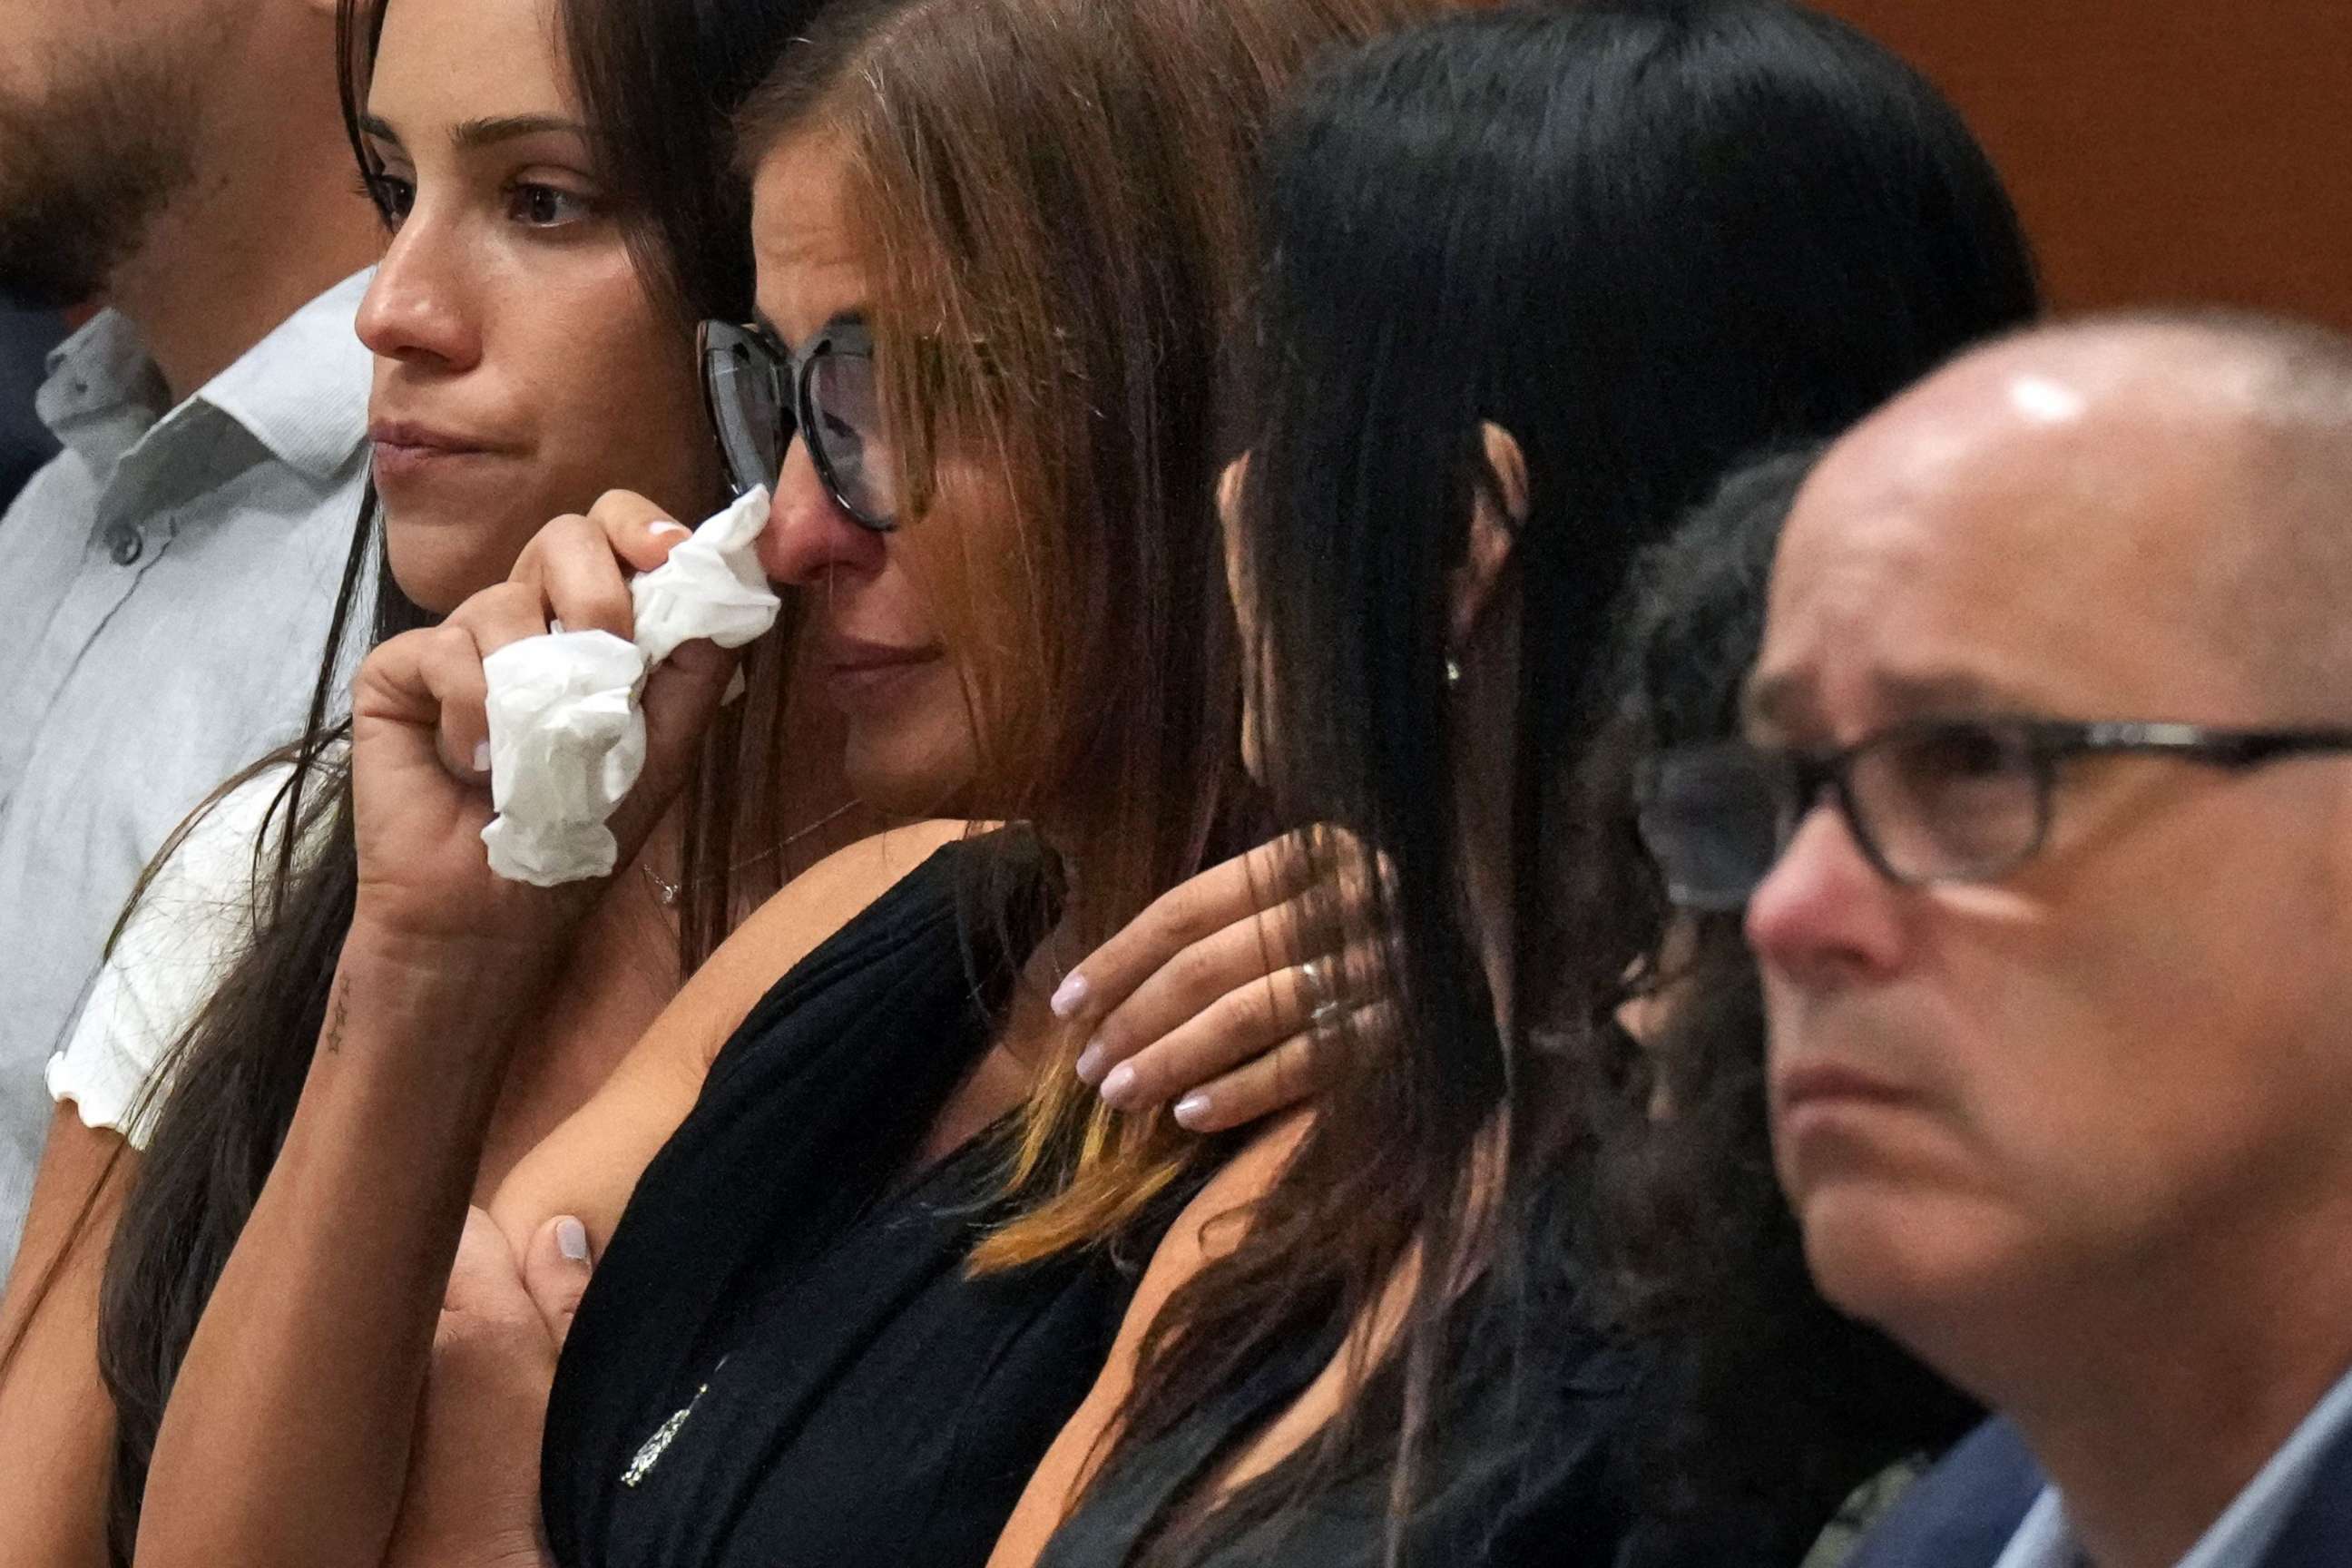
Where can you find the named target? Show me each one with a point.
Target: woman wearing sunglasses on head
(857, 1292)
(1531, 280)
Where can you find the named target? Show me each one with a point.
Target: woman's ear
(1495, 516)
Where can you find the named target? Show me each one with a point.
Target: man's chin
(89, 165)
(1902, 1263)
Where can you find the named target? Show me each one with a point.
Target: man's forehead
(2072, 456)
(2011, 522)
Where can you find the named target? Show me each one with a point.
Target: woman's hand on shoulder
(421, 738)
(1218, 995)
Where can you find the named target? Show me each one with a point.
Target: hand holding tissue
(567, 733)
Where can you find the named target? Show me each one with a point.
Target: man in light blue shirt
(169, 575)
(2044, 812)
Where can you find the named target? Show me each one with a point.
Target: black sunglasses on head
(760, 395)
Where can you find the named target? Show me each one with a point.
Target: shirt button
(126, 546)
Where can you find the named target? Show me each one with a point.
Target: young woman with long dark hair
(999, 245)
(1532, 280)
(533, 326)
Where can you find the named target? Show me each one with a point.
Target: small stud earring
(1452, 671)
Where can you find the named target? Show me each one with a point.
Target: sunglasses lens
(751, 424)
(846, 420)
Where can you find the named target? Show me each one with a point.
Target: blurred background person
(172, 572)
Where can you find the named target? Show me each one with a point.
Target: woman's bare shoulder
(800, 918)
(588, 1165)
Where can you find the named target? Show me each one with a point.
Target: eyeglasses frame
(848, 336)
(2048, 743)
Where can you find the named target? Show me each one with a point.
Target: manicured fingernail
(482, 758)
(1193, 1110)
(571, 1239)
(1116, 1087)
(1069, 996)
(1091, 1064)
(659, 529)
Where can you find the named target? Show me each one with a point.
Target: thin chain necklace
(670, 892)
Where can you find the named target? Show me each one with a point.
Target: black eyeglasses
(1958, 800)
(759, 395)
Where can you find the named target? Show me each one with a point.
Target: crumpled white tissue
(567, 735)
(567, 739)
(711, 586)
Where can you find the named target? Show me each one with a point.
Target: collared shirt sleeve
(182, 936)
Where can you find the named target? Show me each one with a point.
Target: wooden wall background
(2161, 150)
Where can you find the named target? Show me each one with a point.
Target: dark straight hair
(658, 84)
(1644, 237)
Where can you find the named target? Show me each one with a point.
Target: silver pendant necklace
(642, 1463)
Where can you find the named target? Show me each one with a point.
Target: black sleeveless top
(780, 1361)
(1529, 1464)
(1512, 1478)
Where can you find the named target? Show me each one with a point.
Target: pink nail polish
(571, 1239)
(1193, 1110)
(1091, 1064)
(1068, 997)
(663, 530)
(1116, 1087)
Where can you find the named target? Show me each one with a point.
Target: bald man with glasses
(2041, 817)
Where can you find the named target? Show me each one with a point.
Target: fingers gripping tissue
(567, 733)
(711, 586)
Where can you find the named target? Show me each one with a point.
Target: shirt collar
(100, 370)
(2247, 1528)
(302, 391)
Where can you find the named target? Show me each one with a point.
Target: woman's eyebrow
(468, 135)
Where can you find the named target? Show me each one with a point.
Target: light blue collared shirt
(165, 601)
(2246, 1528)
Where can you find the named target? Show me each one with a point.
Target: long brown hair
(236, 1073)
(1056, 196)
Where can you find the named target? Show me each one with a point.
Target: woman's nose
(809, 535)
(419, 308)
